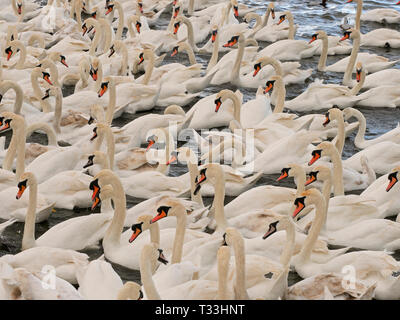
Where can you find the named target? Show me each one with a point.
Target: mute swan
(204, 289)
(385, 96)
(90, 228)
(359, 141)
(350, 179)
(65, 262)
(312, 288)
(371, 266)
(248, 114)
(323, 96)
(289, 71)
(371, 62)
(381, 15)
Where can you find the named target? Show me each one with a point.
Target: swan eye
(218, 104)
(46, 77)
(257, 68)
(392, 181)
(269, 86)
(284, 174)
(137, 230)
(316, 154)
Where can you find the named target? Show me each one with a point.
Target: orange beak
(141, 60)
(256, 70)
(134, 236)
(202, 178)
(392, 182)
(358, 76)
(310, 180)
(281, 20)
(109, 10)
(64, 63)
(151, 142)
(346, 36)
(94, 75)
(283, 176)
(327, 120)
(314, 159)
(171, 160)
(159, 217)
(5, 127)
(268, 88)
(236, 11)
(20, 192)
(47, 79)
(95, 192)
(230, 43)
(213, 37)
(103, 90)
(176, 11)
(312, 40)
(95, 203)
(349, 1)
(137, 27)
(10, 53)
(174, 52)
(298, 209)
(176, 28)
(218, 104)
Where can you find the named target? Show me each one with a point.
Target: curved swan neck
(223, 257)
(155, 233)
(51, 135)
(359, 140)
(292, 29)
(219, 198)
(193, 173)
(337, 172)
(235, 76)
(179, 235)
(190, 32)
(358, 14)
(240, 262)
(214, 56)
(356, 89)
(317, 224)
(289, 245)
(28, 239)
(324, 53)
(281, 95)
(274, 63)
(112, 101)
(149, 56)
(19, 94)
(121, 20)
(228, 94)
(58, 112)
(353, 57)
(22, 54)
(341, 135)
(190, 52)
(146, 273)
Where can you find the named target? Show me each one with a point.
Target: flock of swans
(70, 68)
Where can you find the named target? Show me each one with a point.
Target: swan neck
(352, 61)
(289, 245)
(337, 173)
(193, 173)
(281, 95)
(218, 202)
(179, 236)
(240, 261)
(155, 233)
(28, 239)
(324, 54)
(146, 275)
(111, 102)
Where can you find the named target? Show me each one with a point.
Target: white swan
(371, 266)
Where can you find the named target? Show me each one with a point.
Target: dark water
(310, 17)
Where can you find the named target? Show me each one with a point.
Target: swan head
(321, 173)
(109, 8)
(324, 148)
(104, 193)
(221, 97)
(11, 120)
(282, 223)
(140, 5)
(307, 198)
(359, 71)
(292, 170)
(214, 33)
(333, 114)
(234, 40)
(271, 8)
(232, 237)
(58, 57)
(52, 91)
(176, 9)
(350, 34)
(393, 178)
(170, 208)
(143, 224)
(98, 157)
(94, 68)
(27, 179)
(183, 154)
(235, 7)
(9, 52)
(130, 291)
(284, 16)
(318, 35)
(212, 172)
(350, 112)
